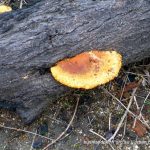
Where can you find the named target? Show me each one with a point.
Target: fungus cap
(88, 69)
(4, 8)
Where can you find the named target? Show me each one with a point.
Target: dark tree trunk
(34, 39)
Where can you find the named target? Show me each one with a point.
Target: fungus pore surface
(88, 69)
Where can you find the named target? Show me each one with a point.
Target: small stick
(136, 74)
(144, 122)
(59, 137)
(125, 81)
(33, 141)
(140, 114)
(21, 130)
(21, 3)
(109, 121)
(124, 130)
(134, 123)
(124, 116)
(137, 106)
(102, 138)
(144, 103)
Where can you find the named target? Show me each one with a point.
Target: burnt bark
(35, 38)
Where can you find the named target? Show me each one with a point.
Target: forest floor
(104, 112)
(120, 109)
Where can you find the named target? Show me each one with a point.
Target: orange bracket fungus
(88, 69)
(4, 8)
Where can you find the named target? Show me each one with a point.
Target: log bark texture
(35, 38)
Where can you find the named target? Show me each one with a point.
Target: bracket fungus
(4, 8)
(88, 69)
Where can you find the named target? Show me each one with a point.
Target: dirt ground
(98, 116)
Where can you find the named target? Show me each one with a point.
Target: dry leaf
(130, 86)
(139, 128)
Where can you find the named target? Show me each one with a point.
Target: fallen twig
(144, 122)
(102, 138)
(21, 130)
(124, 116)
(59, 137)
(33, 141)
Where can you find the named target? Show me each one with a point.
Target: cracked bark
(35, 38)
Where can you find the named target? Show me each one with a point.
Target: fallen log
(34, 39)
